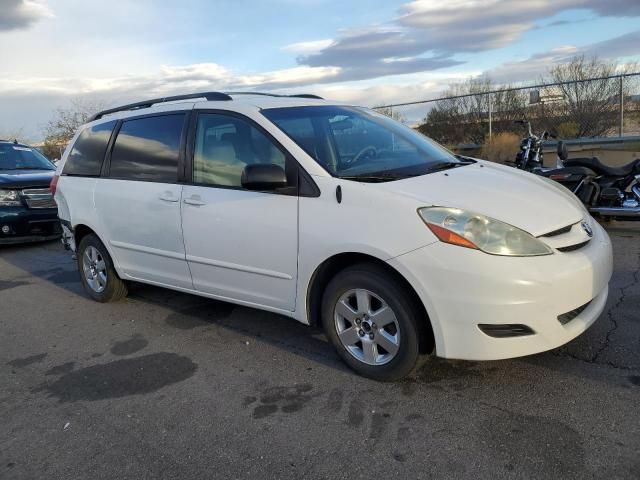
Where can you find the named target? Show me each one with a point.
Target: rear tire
(98, 276)
(372, 322)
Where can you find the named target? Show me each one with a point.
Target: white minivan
(333, 215)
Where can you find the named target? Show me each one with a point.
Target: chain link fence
(593, 108)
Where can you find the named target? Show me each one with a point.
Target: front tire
(372, 322)
(98, 276)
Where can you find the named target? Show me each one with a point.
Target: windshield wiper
(446, 166)
(465, 160)
(370, 178)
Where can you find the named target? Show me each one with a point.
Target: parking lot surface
(167, 385)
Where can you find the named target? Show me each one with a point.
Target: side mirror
(563, 154)
(263, 177)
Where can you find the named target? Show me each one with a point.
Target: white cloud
(534, 67)
(169, 79)
(429, 33)
(407, 58)
(19, 14)
(308, 47)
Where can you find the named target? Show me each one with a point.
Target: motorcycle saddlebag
(568, 174)
(570, 177)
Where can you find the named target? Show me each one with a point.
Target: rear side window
(87, 154)
(148, 149)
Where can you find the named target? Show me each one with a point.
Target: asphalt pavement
(172, 386)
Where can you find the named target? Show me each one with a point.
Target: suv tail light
(54, 184)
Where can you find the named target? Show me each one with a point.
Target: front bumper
(463, 288)
(28, 225)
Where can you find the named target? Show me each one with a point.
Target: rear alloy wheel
(94, 269)
(372, 322)
(98, 276)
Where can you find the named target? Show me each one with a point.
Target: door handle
(168, 197)
(195, 201)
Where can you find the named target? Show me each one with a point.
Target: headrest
(228, 137)
(220, 150)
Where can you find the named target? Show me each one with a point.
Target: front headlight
(9, 198)
(471, 230)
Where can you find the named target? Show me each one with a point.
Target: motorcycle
(606, 191)
(530, 157)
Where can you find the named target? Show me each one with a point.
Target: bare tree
(590, 101)
(463, 118)
(586, 105)
(65, 122)
(390, 112)
(16, 134)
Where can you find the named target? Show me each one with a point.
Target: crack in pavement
(610, 315)
(623, 296)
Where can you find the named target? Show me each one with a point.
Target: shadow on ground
(49, 262)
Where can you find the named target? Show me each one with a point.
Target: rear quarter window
(87, 154)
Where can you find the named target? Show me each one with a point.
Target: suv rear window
(148, 149)
(87, 154)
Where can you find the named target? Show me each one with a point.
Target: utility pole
(490, 117)
(621, 134)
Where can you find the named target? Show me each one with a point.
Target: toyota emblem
(587, 228)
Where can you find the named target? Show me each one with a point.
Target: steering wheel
(367, 152)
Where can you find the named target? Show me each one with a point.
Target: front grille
(39, 198)
(567, 317)
(568, 239)
(572, 248)
(560, 231)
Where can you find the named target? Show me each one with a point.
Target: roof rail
(306, 95)
(266, 94)
(211, 96)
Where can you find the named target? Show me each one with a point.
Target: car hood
(524, 200)
(25, 178)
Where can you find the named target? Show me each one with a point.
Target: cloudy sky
(370, 51)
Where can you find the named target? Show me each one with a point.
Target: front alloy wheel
(373, 321)
(367, 327)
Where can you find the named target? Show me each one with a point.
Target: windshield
(18, 157)
(359, 144)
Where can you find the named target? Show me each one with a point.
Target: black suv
(28, 212)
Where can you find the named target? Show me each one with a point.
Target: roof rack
(211, 96)
(266, 94)
(306, 95)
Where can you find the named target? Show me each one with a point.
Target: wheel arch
(330, 267)
(81, 230)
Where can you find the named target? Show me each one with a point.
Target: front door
(240, 244)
